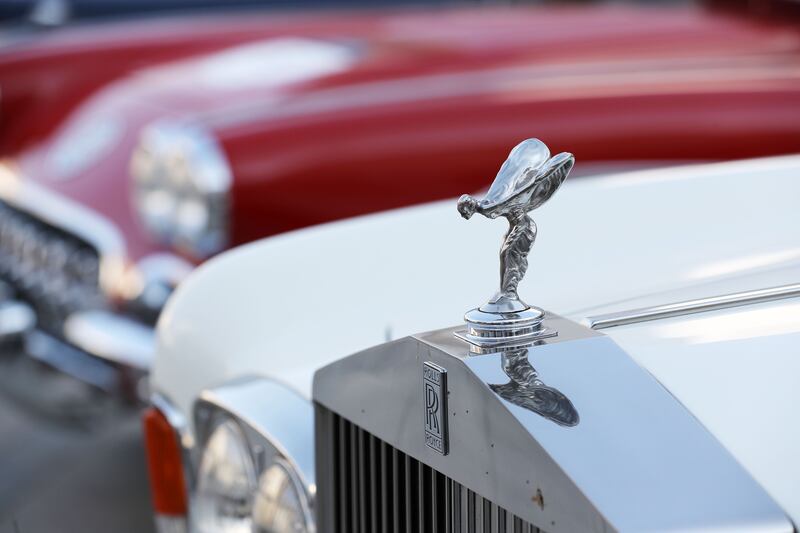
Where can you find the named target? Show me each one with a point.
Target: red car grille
(56, 272)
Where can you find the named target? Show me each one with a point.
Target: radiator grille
(364, 485)
(55, 271)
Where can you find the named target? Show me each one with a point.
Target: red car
(134, 151)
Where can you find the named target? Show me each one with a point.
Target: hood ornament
(527, 179)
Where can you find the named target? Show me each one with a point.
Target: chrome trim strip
(176, 418)
(689, 307)
(73, 217)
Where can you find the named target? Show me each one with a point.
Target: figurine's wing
(552, 175)
(518, 171)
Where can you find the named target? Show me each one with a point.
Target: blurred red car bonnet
(414, 105)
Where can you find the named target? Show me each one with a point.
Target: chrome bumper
(104, 349)
(107, 351)
(112, 337)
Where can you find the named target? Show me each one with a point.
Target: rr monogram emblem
(434, 387)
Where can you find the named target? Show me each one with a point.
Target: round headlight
(278, 505)
(226, 483)
(181, 187)
(233, 495)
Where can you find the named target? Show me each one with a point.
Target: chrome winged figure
(526, 180)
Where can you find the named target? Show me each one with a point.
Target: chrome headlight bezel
(272, 439)
(181, 182)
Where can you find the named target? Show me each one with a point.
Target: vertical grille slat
(386, 487)
(374, 496)
(410, 500)
(471, 512)
(342, 473)
(436, 508)
(456, 506)
(448, 503)
(399, 478)
(501, 521)
(353, 481)
(440, 502)
(367, 485)
(422, 497)
(419, 495)
(363, 465)
(465, 527)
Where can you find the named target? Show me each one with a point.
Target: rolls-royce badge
(526, 180)
(434, 390)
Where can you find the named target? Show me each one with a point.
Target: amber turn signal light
(164, 463)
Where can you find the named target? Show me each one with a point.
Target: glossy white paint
(287, 305)
(736, 371)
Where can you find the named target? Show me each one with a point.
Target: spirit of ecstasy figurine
(527, 179)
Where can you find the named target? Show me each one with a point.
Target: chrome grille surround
(617, 453)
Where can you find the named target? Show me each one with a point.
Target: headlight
(181, 187)
(234, 495)
(278, 506)
(226, 482)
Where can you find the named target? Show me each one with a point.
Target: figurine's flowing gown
(514, 253)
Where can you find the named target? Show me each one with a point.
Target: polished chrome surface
(16, 319)
(175, 418)
(517, 331)
(276, 419)
(112, 337)
(526, 180)
(688, 307)
(622, 455)
(183, 434)
(74, 362)
(552, 329)
(526, 389)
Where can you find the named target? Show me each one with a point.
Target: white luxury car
(660, 392)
